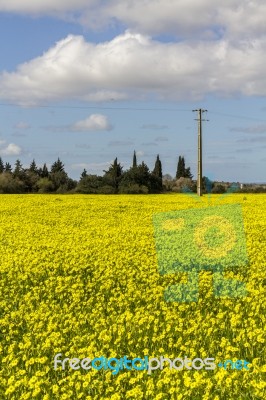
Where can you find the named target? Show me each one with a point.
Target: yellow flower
(80, 277)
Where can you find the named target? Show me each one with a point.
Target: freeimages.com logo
(189, 241)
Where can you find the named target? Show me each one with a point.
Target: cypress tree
(157, 176)
(134, 159)
(2, 168)
(183, 167)
(179, 168)
(158, 168)
(182, 171)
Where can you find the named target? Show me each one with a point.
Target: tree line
(137, 179)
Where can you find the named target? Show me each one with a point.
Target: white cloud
(44, 6)
(208, 18)
(136, 66)
(10, 150)
(95, 122)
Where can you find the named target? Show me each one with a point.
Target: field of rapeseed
(79, 276)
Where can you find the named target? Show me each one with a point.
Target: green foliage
(59, 179)
(30, 180)
(18, 171)
(183, 184)
(8, 167)
(68, 186)
(9, 184)
(182, 171)
(33, 167)
(2, 168)
(43, 172)
(45, 185)
(219, 188)
(83, 174)
(188, 173)
(107, 189)
(133, 188)
(90, 184)
(157, 176)
(57, 166)
(142, 178)
(112, 177)
(134, 159)
(71, 184)
(158, 168)
(136, 175)
(137, 179)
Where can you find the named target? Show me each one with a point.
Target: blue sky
(88, 81)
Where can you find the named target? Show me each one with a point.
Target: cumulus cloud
(95, 122)
(10, 149)
(134, 66)
(37, 7)
(208, 18)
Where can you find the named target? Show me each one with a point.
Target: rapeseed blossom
(79, 276)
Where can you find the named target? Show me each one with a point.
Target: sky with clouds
(91, 80)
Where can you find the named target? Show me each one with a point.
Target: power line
(237, 116)
(128, 109)
(97, 107)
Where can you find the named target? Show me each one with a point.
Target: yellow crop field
(80, 278)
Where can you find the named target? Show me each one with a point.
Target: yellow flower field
(79, 276)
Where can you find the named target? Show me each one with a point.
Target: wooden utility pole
(199, 180)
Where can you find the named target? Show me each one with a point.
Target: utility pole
(199, 180)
